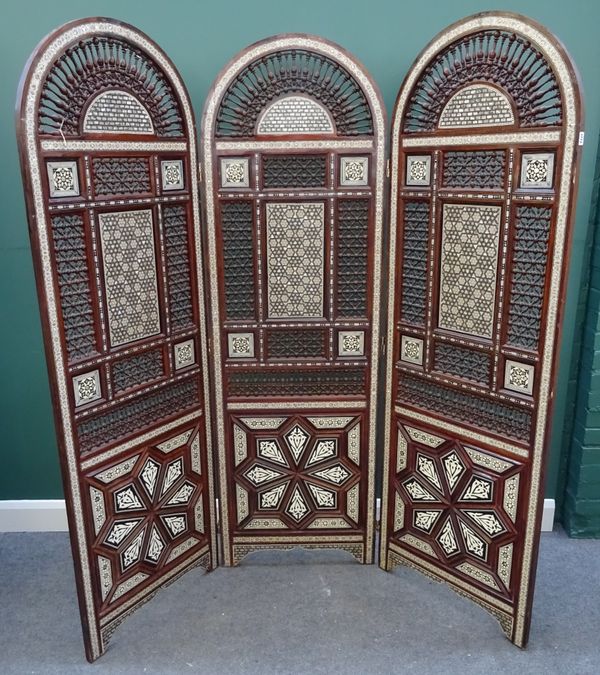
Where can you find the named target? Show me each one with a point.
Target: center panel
(294, 211)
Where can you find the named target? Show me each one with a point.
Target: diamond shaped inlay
(260, 474)
(176, 524)
(297, 439)
(324, 449)
(473, 543)
(488, 521)
(447, 538)
(334, 474)
(417, 492)
(127, 499)
(270, 450)
(155, 546)
(149, 475)
(324, 499)
(478, 490)
(182, 496)
(131, 554)
(453, 468)
(425, 520)
(297, 507)
(270, 499)
(426, 467)
(120, 531)
(174, 471)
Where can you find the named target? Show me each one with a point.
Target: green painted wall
(201, 38)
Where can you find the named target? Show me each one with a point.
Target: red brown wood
(484, 171)
(292, 148)
(107, 144)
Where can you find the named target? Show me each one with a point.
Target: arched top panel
(307, 84)
(476, 70)
(106, 84)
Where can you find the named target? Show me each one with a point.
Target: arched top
(510, 54)
(301, 68)
(101, 78)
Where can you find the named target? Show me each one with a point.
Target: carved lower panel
(240, 551)
(456, 505)
(148, 512)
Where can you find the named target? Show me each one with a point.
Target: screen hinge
(581, 137)
(200, 172)
(382, 345)
(387, 167)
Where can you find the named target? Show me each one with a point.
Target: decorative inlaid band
(282, 405)
(84, 146)
(461, 431)
(237, 539)
(483, 139)
(293, 145)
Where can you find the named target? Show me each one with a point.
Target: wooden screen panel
(292, 144)
(106, 136)
(484, 156)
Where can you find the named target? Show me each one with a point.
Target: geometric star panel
(295, 252)
(130, 275)
(446, 508)
(297, 471)
(149, 510)
(470, 238)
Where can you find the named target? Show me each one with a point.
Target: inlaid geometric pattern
(295, 115)
(290, 474)
(87, 387)
(411, 349)
(351, 343)
(148, 511)
(240, 345)
(235, 172)
(478, 105)
(445, 507)
(518, 376)
(537, 170)
(418, 170)
(185, 354)
(171, 172)
(117, 112)
(63, 179)
(295, 253)
(469, 259)
(354, 171)
(130, 275)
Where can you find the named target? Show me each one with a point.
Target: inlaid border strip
(481, 139)
(332, 144)
(90, 146)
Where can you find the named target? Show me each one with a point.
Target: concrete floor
(298, 612)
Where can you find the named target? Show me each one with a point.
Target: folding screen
(106, 136)
(292, 153)
(484, 148)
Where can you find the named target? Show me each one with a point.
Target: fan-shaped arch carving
(293, 71)
(98, 65)
(502, 58)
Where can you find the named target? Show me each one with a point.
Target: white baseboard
(49, 515)
(33, 515)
